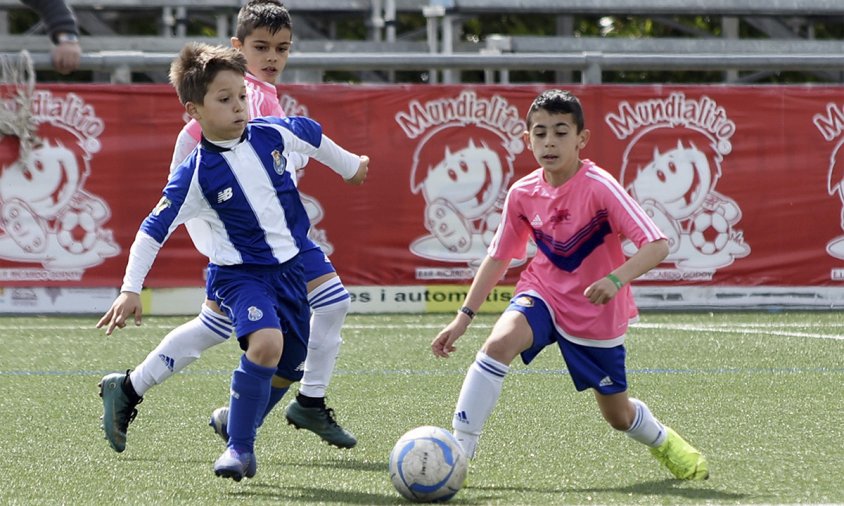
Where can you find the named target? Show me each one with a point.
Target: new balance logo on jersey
(461, 417)
(225, 195)
(168, 361)
(605, 382)
(536, 222)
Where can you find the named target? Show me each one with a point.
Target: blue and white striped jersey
(245, 195)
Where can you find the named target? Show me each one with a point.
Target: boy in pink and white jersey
(575, 293)
(264, 36)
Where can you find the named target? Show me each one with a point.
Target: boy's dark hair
(197, 65)
(558, 102)
(269, 14)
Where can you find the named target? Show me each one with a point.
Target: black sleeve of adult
(56, 14)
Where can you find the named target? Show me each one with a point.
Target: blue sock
(275, 395)
(250, 391)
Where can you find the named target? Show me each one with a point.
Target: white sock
(646, 428)
(179, 348)
(330, 302)
(478, 396)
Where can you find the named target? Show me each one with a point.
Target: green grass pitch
(761, 394)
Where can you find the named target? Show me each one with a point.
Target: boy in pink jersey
(574, 293)
(264, 36)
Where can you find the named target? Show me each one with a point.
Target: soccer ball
(428, 465)
(77, 231)
(710, 231)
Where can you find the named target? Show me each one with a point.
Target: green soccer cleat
(118, 409)
(683, 460)
(321, 422)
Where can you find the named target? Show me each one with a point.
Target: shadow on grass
(288, 495)
(667, 487)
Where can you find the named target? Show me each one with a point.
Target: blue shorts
(600, 368)
(314, 261)
(260, 297)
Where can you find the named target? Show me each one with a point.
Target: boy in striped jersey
(574, 293)
(237, 183)
(264, 36)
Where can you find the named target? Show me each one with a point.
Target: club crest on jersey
(279, 162)
(163, 204)
(524, 301)
(254, 314)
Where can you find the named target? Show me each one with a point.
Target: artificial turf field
(761, 394)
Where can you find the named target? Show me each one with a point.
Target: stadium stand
(783, 38)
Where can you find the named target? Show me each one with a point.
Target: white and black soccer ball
(710, 231)
(427, 464)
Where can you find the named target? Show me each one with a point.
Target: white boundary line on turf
(737, 329)
(725, 328)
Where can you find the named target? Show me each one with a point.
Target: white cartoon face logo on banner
(831, 127)
(671, 166)
(462, 166)
(46, 216)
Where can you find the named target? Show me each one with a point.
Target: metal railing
(590, 64)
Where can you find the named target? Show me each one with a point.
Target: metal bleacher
(784, 38)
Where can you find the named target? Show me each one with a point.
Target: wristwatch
(63, 37)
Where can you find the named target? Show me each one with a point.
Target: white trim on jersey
(633, 209)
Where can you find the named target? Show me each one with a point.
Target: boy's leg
(121, 392)
(250, 390)
(181, 347)
(220, 417)
(634, 418)
(482, 386)
(256, 300)
(329, 301)
(683, 460)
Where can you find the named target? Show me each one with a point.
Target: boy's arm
(178, 205)
(352, 168)
(141, 257)
(304, 135)
(648, 257)
(489, 274)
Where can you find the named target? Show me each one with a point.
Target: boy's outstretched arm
(141, 257)
(360, 175)
(488, 275)
(126, 304)
(648, 257)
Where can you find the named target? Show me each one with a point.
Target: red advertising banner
(747, 182)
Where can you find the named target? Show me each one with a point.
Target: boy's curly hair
(196, 66)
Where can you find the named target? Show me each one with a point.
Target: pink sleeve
(187, 140)
(511, 236)
(628, 216)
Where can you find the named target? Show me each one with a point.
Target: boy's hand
(443, 344)
(127, 303)
(360, 175)
(601, 291)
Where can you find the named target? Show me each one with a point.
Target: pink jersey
(578, 229)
